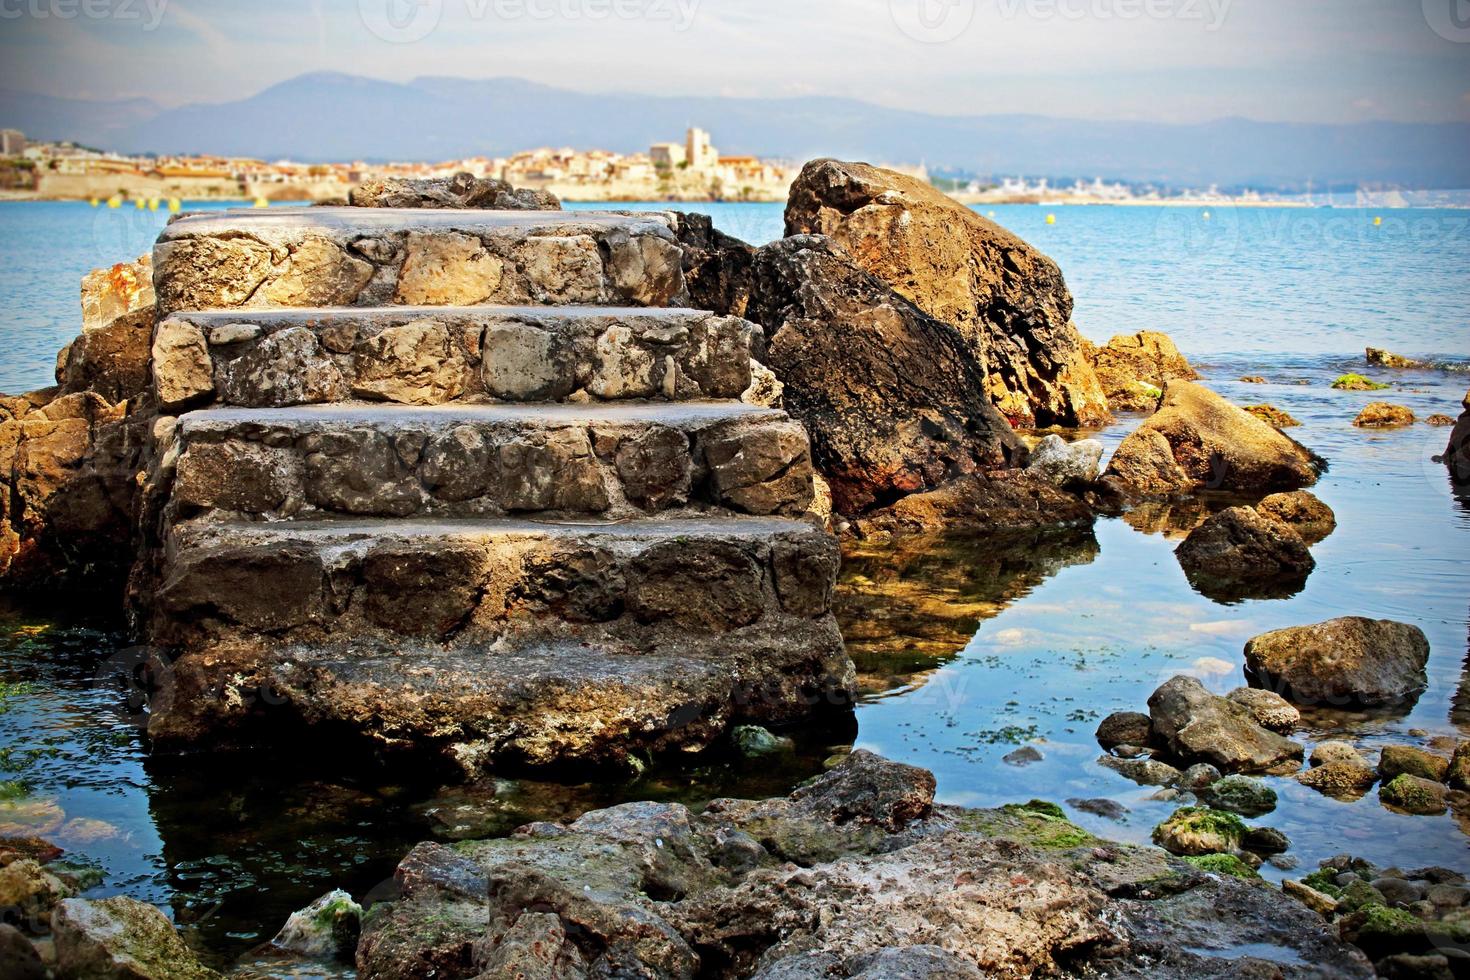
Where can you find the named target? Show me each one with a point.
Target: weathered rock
(463, 190)
(1458, 776)
(654, 890)
(753, 740)
(1340, 779)
(111, 355)
(1197, 725)
(1265, 841)
(120, 939)
(1413, 794)
(326, 929)
(1199, 776)
(894, 399)
(1125, 728)
(1269, 709)
(1302, 512)
(1061, 463)
(1439, 421)
(1007, 300)
(1199, 441)
(717, 266)
(1356, 382)
(1273, 416)
(1241, 553)
(1341, 662)
(1326, 753)
(182, 370)
(1382, 415)
(1134, 368)
(1395, 760)
(289, 367)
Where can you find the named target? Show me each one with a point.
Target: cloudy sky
(1171, 60)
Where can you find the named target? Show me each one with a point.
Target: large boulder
(1241, 553)
(1133, 369)
(1348, 661)
(463, 190)
(1002, 501)
(111, 355)
(1007, 300)
(1197, 726)
(893, 398)
(120, 938)
(1302, 512)
(1199, 441)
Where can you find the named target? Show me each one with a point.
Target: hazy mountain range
(326, 117)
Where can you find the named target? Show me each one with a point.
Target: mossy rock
(1413, 794)
(1356, 382)
(1224, 864)
(1324, 880)
(1036, 824)
(1241, 794)
(1195, 830)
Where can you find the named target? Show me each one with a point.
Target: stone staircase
(469, 481)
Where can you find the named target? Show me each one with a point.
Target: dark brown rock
(717, 266)
(1241, 553)
(700, 585)
(1125, 728)
(894, 399)
(1000, 501)
(1308, 516)
(1007, 300)
(1134, 368)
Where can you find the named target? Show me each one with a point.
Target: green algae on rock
(1356, 382)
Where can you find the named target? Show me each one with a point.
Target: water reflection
(908, 606)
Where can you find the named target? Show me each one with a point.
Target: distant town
(692, 170)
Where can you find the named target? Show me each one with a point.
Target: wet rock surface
(1007, 300)
(1241, 552)
(1195, 725)
(856, 874)
(120, 938)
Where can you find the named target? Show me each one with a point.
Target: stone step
(421, 355)
(330, 256)
(553, 629)
(615, 459)
(491, 707)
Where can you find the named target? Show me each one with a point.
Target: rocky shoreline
(526, 490)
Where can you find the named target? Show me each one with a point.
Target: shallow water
(966, 648)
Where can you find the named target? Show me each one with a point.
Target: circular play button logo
(401, 21)
(932, 21)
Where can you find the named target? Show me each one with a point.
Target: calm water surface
(967, 648)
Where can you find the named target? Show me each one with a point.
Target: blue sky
(1169, 60)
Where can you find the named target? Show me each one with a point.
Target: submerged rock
(1199, 441)
(121, 938)
(1382, 415)
(857, 875)
(753, 740)
(1134, 368)
(1341, 780)
(1007, 300)
(1356, 382)
(893, 398)
(1241, 794)
(1242, 553)
(1199, 726)
(1347, 661)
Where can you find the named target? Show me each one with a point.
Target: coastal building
(667, 156)
(699, 151)
(12, 143)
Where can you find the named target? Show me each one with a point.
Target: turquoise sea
(967, 648)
